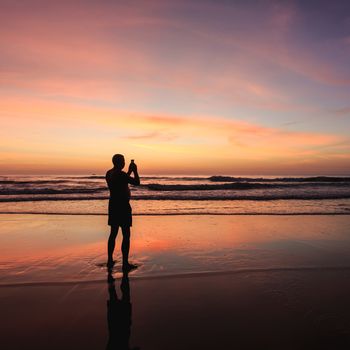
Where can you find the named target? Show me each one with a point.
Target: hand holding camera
(132, 167)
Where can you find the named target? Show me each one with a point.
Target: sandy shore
(205, 282)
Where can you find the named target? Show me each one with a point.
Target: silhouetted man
(119, 209)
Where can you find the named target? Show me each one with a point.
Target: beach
(218, 131)
(203, 282)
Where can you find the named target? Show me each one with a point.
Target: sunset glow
(182, 87)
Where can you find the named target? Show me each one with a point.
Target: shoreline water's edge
(191, 274)
(182, 214)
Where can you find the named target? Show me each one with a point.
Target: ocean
(161, 195)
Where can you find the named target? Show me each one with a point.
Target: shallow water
(46, 248)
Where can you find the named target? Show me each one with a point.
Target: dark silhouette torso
(119, 210)
(117, 182)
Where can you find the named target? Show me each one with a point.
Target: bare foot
(110, 263)
(110, 278)
(128, 267)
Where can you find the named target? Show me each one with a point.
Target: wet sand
(205, 282)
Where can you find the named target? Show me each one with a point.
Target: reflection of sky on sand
(70, 248)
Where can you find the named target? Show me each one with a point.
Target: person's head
(118, 161)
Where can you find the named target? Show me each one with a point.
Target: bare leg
(125, 249)
(126, 244)
(111, 244)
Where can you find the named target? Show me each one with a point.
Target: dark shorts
(119, 214)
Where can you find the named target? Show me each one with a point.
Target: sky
(182, 87)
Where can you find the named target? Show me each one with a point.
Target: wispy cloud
(116, 50)
(65, 130)
(216, 89)
(345, 111)
(153, 135)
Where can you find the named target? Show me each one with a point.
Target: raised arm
(135, 180)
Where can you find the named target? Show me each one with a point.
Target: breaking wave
(328, 179)
(227, 197)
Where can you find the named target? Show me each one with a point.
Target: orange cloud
(66, 136)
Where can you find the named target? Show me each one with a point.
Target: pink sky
(192, 87)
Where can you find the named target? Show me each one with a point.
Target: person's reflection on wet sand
(119, 314)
